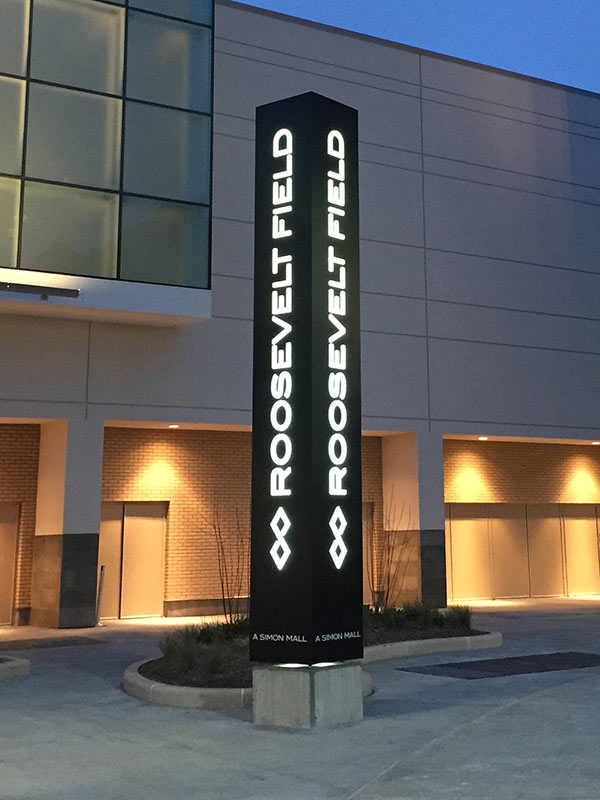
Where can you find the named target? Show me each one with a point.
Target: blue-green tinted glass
(194, 10)
(73, 231)
(164, 242)
(168, 62)
(12, 103)
(73, 137)
(9, 221)
(78, 43)
(167, 153)
(13, 36)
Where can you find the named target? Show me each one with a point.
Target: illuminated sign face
(306, 581)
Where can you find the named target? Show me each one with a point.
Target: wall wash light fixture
(44, 291)
(595, 442)
(173, 426)
(482, 438)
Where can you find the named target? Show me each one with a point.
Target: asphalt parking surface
(68, 732)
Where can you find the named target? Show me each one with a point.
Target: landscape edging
(418, 647)
(164, 694)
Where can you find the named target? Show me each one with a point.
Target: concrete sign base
(307, 697)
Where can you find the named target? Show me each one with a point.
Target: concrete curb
(419, 647)
(163, 694)
(11, 667)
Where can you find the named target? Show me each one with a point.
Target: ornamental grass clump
(423, 615)
(203, 648)
(414, 621)
(217, 655)
(459, 616)
(180, 648)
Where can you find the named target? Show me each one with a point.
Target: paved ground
(67, 732)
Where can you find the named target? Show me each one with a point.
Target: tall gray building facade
(125, 395)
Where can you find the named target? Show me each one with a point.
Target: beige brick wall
(192, 470)
(392, 561)
(196, 472)
(19, 454)
(372, 491)
(520, 472)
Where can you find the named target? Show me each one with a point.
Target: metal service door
(132, 552)
(142, 585)
(470, 551)
(109, 557)
(581, 549)
(510, 574)
(546, 570)
(9, 526)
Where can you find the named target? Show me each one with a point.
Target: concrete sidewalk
(68, 732)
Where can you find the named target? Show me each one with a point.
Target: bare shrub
(388, 556)
(231, 533)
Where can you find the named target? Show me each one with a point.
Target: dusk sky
(558, 40)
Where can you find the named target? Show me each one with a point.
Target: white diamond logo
(338, 549)
(280, 525)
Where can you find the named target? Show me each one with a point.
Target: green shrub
(211, 659)
(188, 648)
(212, 634)
(388, 617)
(459, 616)
(223, 631)
(180, 648)
(418, 615)
(422, 615)
(239, 627)
(393, 618)
(367, 616)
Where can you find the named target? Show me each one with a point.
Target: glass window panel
(73, 137)
(79, 43)
(167, 153)
(195, 10)
(13, 36)
(70, 231)
(164, 243)
(12, 103)
(168, 62)
(9, 221)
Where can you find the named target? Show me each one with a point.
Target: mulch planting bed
(227, 665)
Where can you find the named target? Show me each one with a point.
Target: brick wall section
(393, 562)
(196, 472)
(19, 455)
(372, 491)
(520, 472)
(193, 470)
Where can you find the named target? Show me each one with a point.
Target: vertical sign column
(306, 573)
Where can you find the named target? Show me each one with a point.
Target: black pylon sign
(306, 563)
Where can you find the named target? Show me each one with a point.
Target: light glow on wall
(158, 476)
(470, 486)
(582, 484)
